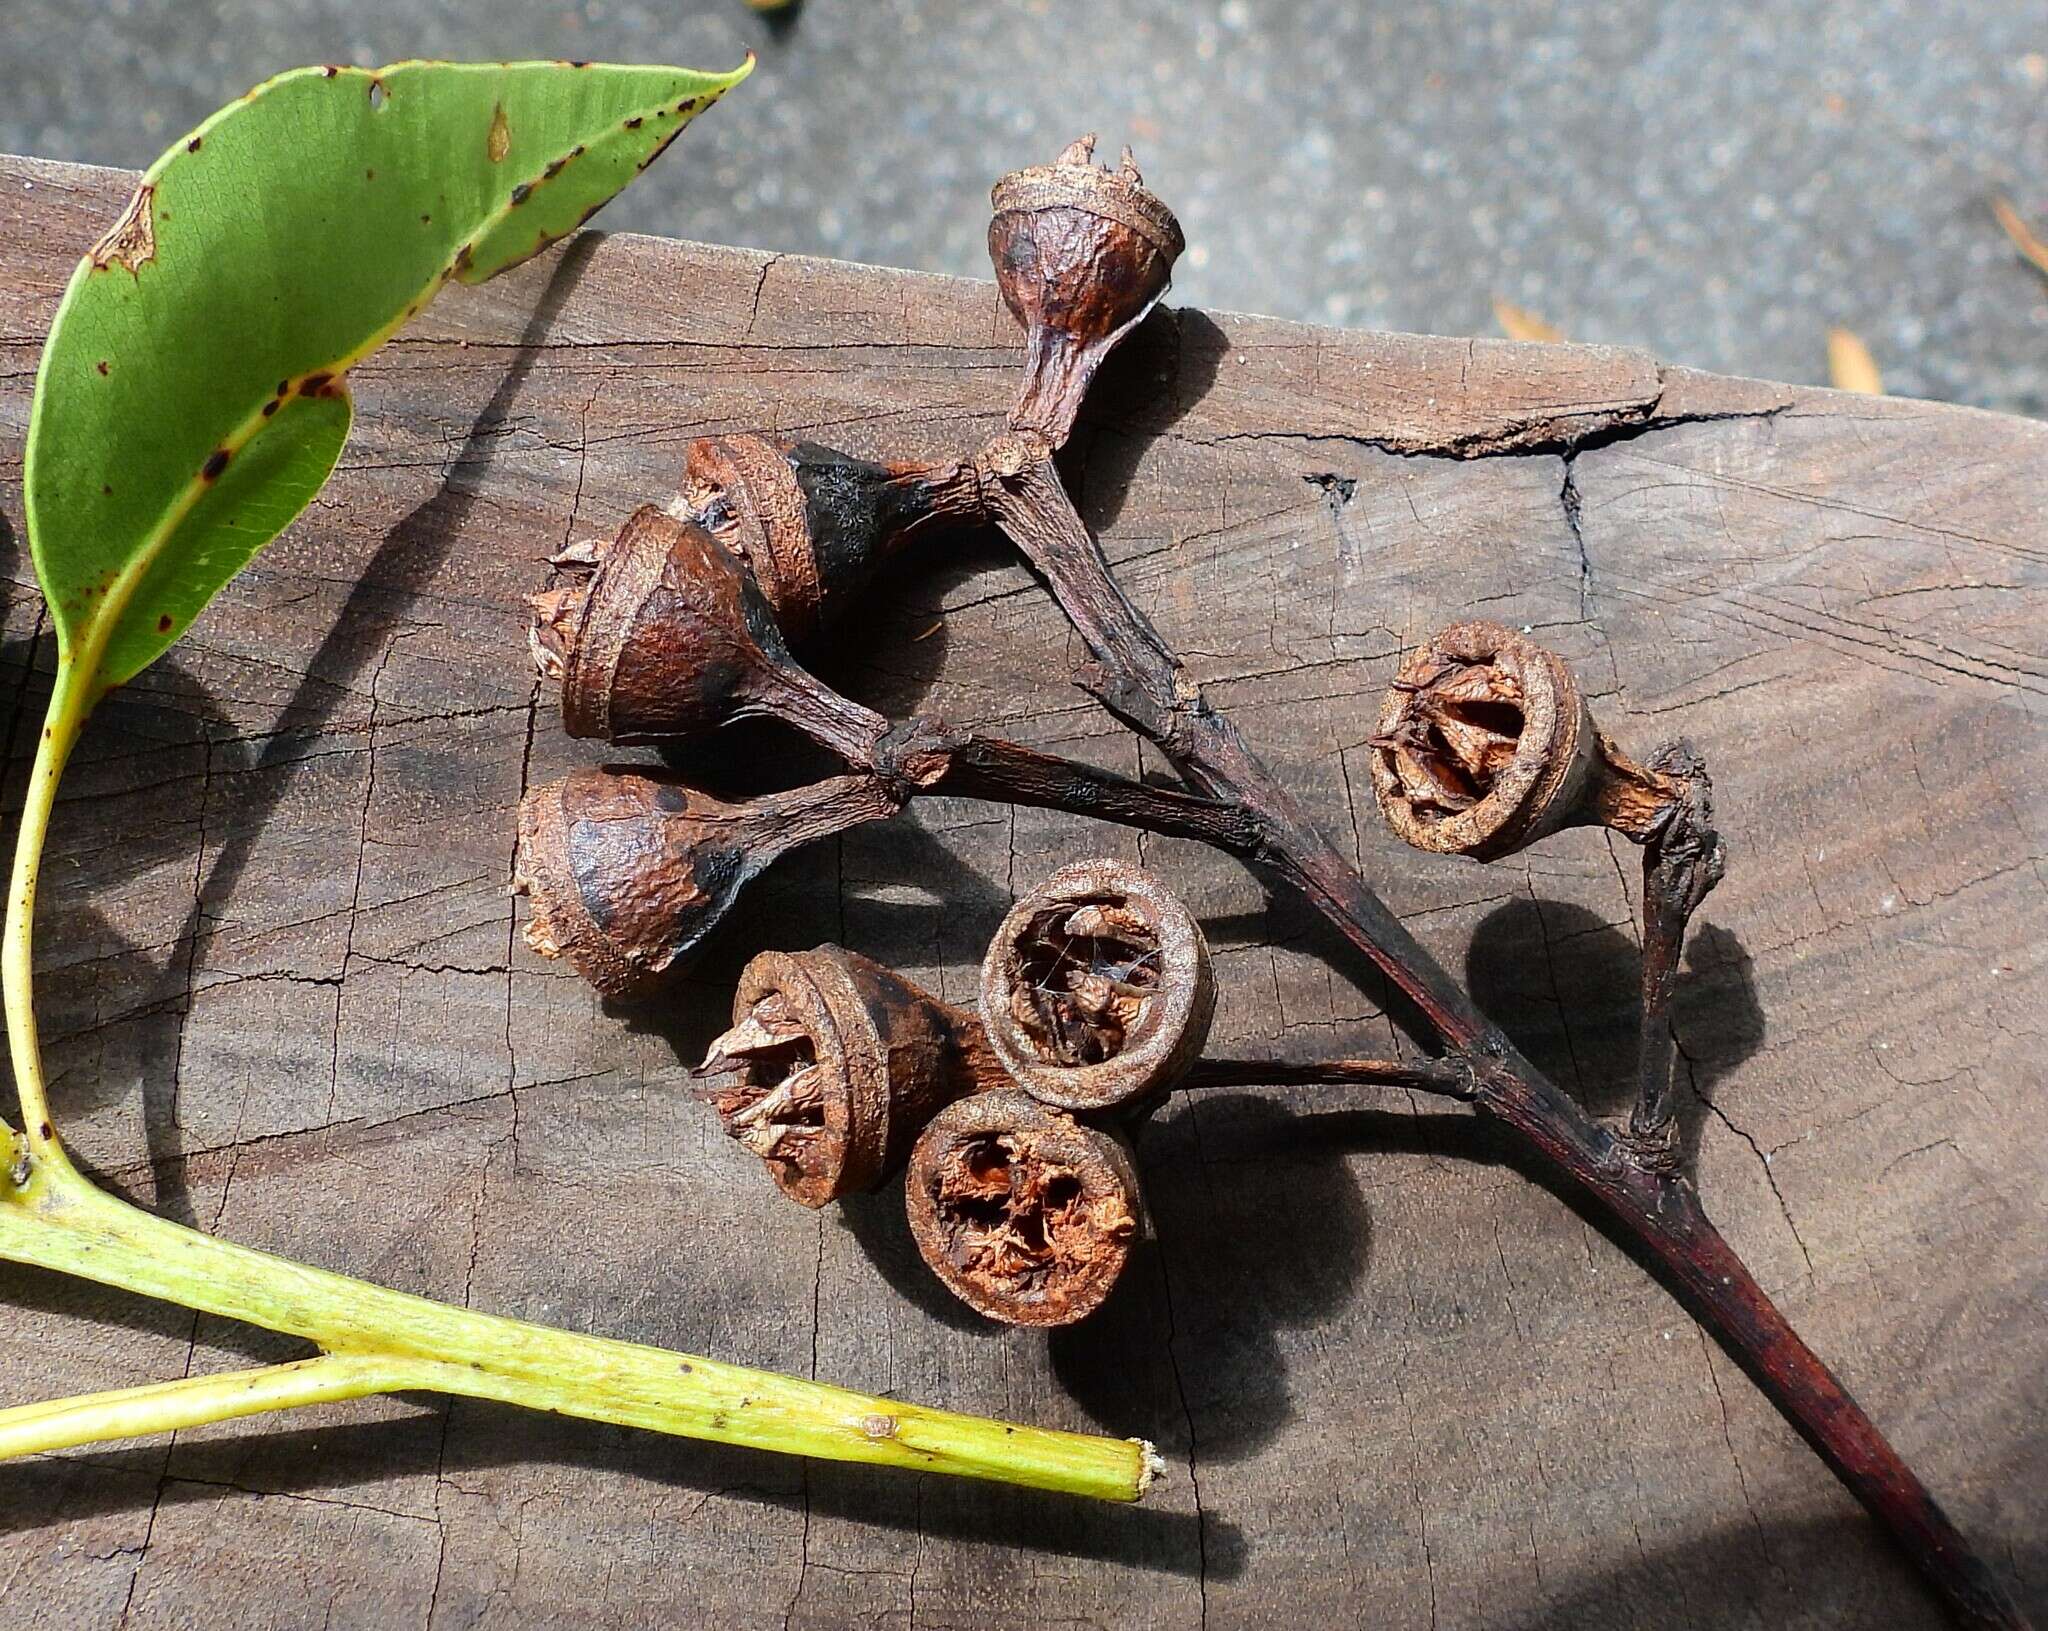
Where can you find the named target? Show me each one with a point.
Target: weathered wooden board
(1398, 1384)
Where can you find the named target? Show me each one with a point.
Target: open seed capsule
(1097, 989)
(1026, 1215)
(839, 1064)
(1486, 745)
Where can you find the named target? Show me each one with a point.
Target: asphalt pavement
(1717, 182)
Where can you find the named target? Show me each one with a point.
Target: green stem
(61, 725)
(378, 1340)
(58, 1220)
(160, 1407)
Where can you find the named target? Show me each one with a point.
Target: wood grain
(287, 996)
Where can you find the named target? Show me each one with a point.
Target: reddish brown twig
(1138, 678)
(1140, 681)
(1081, 254)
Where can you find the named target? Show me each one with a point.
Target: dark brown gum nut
(661, 634)
(1025, 1214)
(1081, 254)
(838, 1065)
(1097, 989)
(628, 874)
(813, 523)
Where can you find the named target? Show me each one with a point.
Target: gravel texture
(1718, 183)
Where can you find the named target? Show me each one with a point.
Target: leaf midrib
(113, 605)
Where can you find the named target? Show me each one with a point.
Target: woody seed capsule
(838, 1065)
(1097, 988)
(1081, 254)
(662, 634)
(813, 524)
(1486, 744)
(1025, 1215)
(629, 873)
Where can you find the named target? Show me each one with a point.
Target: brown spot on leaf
(521, 193)
(106, 489)
(635, 122)
(163, 624)
(579, 64)
(369, 175)
(500, 141)
(216, 462)
(193, 145)
(101, 365)
(329, 71)
(378, 94)
(553, 170)
(314, 384)
(270, 407)
(425, 220)
(131, 241)
(284, 387)
(48, 1131)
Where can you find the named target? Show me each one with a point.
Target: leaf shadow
(402, 565)
(262, 767)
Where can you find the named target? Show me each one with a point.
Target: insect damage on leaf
(130, 241)
(500, 142)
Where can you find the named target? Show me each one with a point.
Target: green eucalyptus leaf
(191, 398)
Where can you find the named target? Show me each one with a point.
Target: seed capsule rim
(1097, 1156)
(1543, 787)
(822, 997)
(1170, 1033)
(1095, 191)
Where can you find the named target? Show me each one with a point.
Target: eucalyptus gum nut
(1486, 744)
(1081, 254)
(813, 523)
(629, 873)
(1025, 1214)
(1159, 1006)
(660, 634)
(887, 1057)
